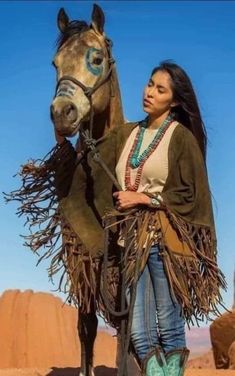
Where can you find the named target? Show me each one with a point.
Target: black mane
(74, 27)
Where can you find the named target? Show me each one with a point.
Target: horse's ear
(62, 20)
(98, 19)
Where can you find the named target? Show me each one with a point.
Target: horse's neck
(112, 116)
(116, 117)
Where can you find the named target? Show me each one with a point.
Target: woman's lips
(147, 103)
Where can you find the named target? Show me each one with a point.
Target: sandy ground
(101, 371)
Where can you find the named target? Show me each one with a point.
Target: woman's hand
(129, 199)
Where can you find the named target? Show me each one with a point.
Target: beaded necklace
(135, 160)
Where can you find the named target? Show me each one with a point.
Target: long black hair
(186, 111)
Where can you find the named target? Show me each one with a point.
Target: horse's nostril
(70, 112)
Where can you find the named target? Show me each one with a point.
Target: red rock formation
(231, 355)
(37, 330)
(222, 332)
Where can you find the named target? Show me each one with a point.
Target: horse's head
(84, 65)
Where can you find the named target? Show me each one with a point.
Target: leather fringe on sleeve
(44, 182)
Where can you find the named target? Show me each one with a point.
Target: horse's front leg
(87, 329)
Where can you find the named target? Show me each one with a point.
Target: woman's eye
(97, 60)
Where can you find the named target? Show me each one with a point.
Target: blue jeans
(156, 318)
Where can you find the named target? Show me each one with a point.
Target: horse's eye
(97, 60)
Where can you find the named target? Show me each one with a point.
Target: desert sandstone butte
(38, 330)
(38, 337)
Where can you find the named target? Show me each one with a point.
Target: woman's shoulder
(182, 130)
(127, 127)
(124, 130)
(184, 143)
(118, 134)
(183, 136)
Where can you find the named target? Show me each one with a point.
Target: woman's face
(158, 94)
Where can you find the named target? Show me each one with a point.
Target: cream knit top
(155, 170)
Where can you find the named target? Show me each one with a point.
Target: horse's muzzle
(64, 117)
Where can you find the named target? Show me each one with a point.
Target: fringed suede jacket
(183, 226)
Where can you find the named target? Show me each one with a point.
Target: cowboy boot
(154, 364)
(176, 361)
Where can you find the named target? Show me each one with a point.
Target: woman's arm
(186, 192)
(129, 199)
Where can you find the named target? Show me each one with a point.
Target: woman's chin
(146, 109)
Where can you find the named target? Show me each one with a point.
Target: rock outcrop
(38, 330)
(231, 355)
(222, 332)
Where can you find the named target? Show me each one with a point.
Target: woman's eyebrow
(157, 85)
(160, 86)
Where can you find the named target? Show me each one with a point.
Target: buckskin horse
(87, 103)
(87, 98)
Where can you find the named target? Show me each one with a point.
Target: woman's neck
(155, 122)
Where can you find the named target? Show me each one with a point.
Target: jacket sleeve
(186, 191)
(63, 164)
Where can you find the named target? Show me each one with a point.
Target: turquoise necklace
(135, 158)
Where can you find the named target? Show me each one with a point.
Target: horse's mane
(74, 27)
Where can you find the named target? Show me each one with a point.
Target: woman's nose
(150, 92)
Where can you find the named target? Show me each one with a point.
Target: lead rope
(91, 146)
(122, 371)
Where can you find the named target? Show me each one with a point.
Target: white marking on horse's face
(71, 61)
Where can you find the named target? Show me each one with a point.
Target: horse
(83, 61)
(87, 103)
(87, 96)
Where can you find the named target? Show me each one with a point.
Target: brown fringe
(44, 182)
(195, 281)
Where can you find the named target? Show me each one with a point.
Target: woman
(162, 169)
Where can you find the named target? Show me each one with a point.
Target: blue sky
(198, 35)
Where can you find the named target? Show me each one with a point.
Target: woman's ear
(174, 104)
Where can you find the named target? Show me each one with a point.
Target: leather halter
(89, 91)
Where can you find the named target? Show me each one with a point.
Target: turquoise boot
(154, 364)
(176, 361)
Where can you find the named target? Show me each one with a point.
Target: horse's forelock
(74, 27)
